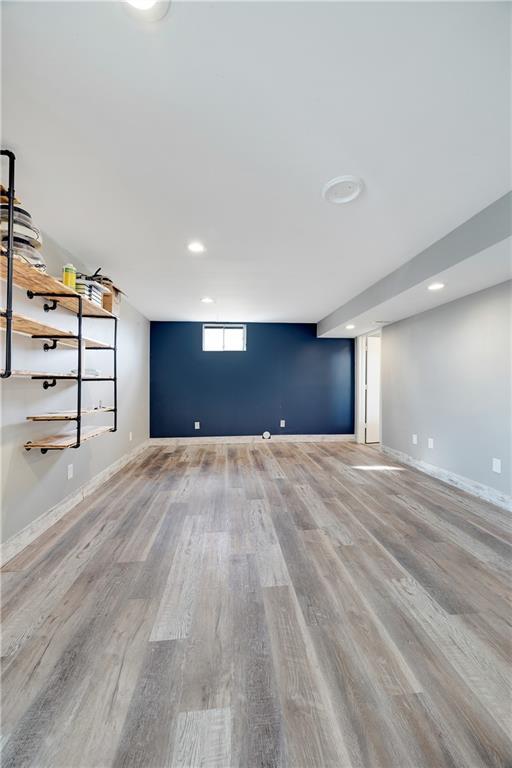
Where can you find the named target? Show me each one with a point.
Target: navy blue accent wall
(285, 373)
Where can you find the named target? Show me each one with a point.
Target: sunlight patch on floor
(379, 468)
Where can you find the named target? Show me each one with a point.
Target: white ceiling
(223, 122)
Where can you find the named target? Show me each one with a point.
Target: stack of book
(27, 241)
(91, 289)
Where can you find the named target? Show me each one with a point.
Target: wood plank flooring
(262, 606)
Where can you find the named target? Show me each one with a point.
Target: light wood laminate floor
(260, 605)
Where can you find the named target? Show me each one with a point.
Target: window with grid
(228, 337)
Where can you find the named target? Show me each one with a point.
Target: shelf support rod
(114, 350)
(79, 376)
(10, 255)
(54, 338)
(115, 375)
(53, 295)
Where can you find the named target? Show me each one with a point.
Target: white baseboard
(464, 483)
(238, 439)
(26, 536)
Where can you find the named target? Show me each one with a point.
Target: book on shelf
(87, 291)
(92, 284)
(91, 290)
(96, 299)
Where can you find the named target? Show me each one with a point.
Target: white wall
(32, 483)
(446, 374)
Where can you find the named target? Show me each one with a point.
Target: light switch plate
(130, 436)
(197, 425)
(496, 466)
(282, 423)
(70, 471)
(431, 442)
(415, 439)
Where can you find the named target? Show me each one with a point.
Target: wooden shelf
(26, 326)
(46, 375)
(25, 276)
(67, 415)
(66, 439)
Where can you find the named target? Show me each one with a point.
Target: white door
(372, 432)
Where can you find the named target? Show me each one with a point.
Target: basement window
(229, 337)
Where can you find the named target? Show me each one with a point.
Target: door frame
(360, 382)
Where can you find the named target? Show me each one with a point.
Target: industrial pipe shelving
(55, 294)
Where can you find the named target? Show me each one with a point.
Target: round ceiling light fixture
(150, 10)
(342, 189)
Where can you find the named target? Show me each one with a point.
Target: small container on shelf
(69, 275)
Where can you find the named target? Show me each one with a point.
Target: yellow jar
(69, 275)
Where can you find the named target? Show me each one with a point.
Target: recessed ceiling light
(350, 327)
(196, 246)
(207, 300)
(436, 286)
(342, 189)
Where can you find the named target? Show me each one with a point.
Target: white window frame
(223, 326)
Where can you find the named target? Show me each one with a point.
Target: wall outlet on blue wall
(282, 423)
(197, 425)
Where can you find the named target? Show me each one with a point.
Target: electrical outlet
(130, 436)
(197, 425)
(431, 442)
(496, 466)
(415, 439)
(282, 423)
(70, 471)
